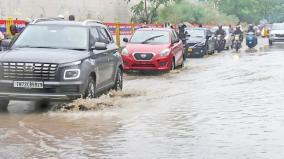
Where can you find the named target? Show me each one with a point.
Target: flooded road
(224, 106)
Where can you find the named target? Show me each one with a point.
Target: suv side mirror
(99, 46)
(5, 44)
(126, 40)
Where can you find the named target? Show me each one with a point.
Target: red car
(153, 49)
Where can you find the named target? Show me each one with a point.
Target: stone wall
(105, 10)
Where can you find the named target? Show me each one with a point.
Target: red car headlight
(165, 52)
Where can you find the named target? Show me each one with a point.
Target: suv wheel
(90, 91)
(4, 105)
(118, 81)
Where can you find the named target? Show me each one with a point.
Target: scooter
(251, 40)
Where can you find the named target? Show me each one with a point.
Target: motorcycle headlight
(71, 74)
(165, 52)
(124, 52)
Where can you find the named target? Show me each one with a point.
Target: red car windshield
(151, 37)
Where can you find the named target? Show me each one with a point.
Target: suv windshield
(196, 33)
(61, 37)
(278, 27)
(151, 37)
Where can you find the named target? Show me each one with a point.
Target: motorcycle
(237, 42)
(219, 45)
(251, 40)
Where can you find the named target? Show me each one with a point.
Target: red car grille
(143, 56)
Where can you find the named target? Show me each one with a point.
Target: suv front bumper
(55, 91)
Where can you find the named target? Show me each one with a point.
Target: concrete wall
(105, 10)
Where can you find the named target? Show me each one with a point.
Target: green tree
(250, 11)
(146, 11)
(194, 13)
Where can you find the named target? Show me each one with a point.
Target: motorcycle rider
(222, 32)
(182, 37)
(251, 29)
(238, 31)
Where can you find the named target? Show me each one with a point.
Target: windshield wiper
(29, 46)
(77, 49)
(151, 38)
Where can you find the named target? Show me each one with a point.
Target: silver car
(276, 33)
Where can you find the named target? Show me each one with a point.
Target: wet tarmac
(229, 105)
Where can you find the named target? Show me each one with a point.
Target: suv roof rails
(92, 21)
(45, 19)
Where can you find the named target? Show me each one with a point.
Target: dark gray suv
(60, 60)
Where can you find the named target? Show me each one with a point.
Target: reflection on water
(224, 106)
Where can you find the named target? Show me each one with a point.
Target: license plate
(144, 62)
(189, 49)
(28, 84)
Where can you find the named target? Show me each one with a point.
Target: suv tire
(90, 91)
(118, 85)
(4, 105)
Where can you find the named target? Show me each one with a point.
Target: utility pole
(146, 12)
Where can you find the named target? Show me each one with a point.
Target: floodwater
(229, 105)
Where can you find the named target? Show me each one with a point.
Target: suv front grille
(29, 71)
(279, 35)
(191, 44)
(143, 56)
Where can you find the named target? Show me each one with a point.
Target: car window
(103, 36)
(175, 37)
(53, 36)
(94, 36)
(151, 37)
(108, 34)
(196, 33)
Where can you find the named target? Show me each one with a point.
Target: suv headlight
(124, 52)
(272, 35)
(71, 70)
(70, 74)
(165, 52)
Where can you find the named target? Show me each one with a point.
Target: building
(105, 10)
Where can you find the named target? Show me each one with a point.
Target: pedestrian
(13, 33)
(71, 17)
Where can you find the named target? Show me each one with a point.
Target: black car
(199, 42)
(60, 60)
